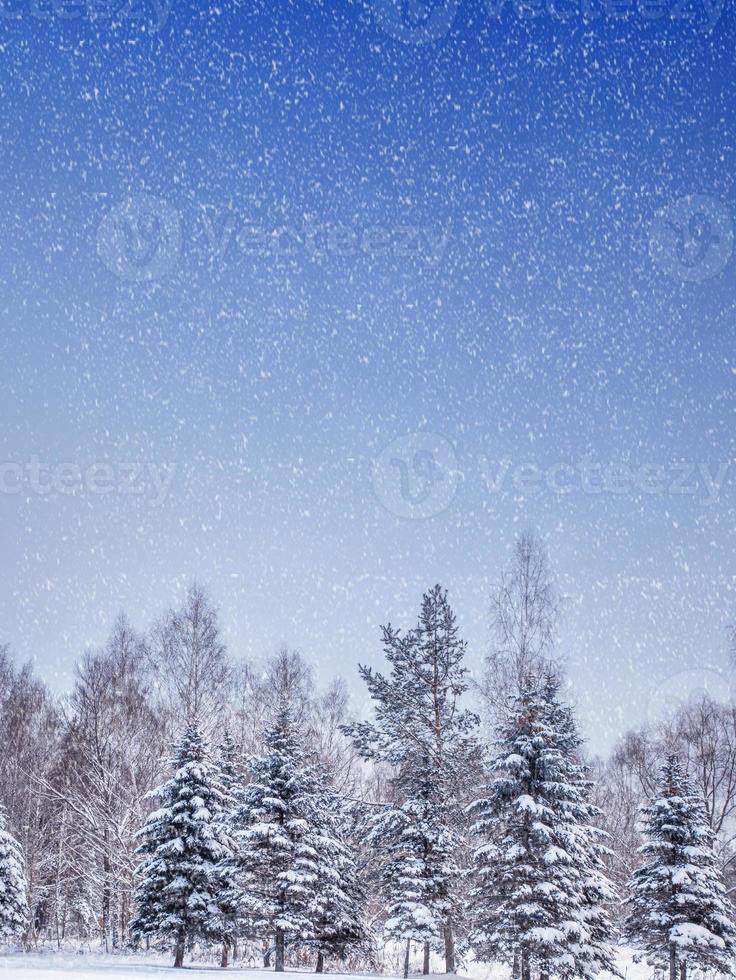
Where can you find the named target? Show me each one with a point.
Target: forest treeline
(178, 799)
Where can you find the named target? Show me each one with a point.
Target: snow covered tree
(678, 912)
(227, 885)
(338, 910)
(276, 842)
(424, 734)
(297, 876)
(177, 892)
(538, 869)
(13, 907)
(418, 863)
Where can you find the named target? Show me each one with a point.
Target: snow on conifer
(226, 877)
(678, 912)
(276, 840)
(338, 910)
(176, 896)
(539, 881)
(416, 871)
(13, 907)
(424, 734)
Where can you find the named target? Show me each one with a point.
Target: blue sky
(258, 256)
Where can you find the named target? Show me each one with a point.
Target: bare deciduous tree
(525, 611)
(194, 669)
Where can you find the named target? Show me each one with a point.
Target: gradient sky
(294, 253)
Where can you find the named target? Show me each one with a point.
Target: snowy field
(91, 966)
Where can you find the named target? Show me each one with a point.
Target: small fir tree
(539, 881)
(176, 897)
(678, 913)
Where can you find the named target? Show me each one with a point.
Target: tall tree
(538, 867)
(525, 611)
(30, 730)
(276, 840)
(192, 660)
(13, 905)
(338, 910)
(229, 892)
(422, 731)
(679, 915)
(112, 745)
(177, 893)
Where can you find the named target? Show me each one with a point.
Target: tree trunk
(223, 956)
(526, 973)
(179, 953)
(320, 967)
(406, 958)
(673, 962)
(683, 970)
(279, 962)
(450, 965)
(267, 958)
(516, 966)
(425, 961)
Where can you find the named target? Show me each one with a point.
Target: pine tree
(276, 840)
(418, 862)
(13, 907)
(177, 893)
(538, 869)
(422, 732)
(338, 910)
(229, 891)
(679, 915)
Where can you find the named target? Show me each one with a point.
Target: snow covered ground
(65, 966)
(94, 966)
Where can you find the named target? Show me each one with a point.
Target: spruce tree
(13, 907)
(678, 912)
(424, 734)
(539, 880)
(276, 840)
(176, 896)
(338, 910)
(418, 861)
(229, 891)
